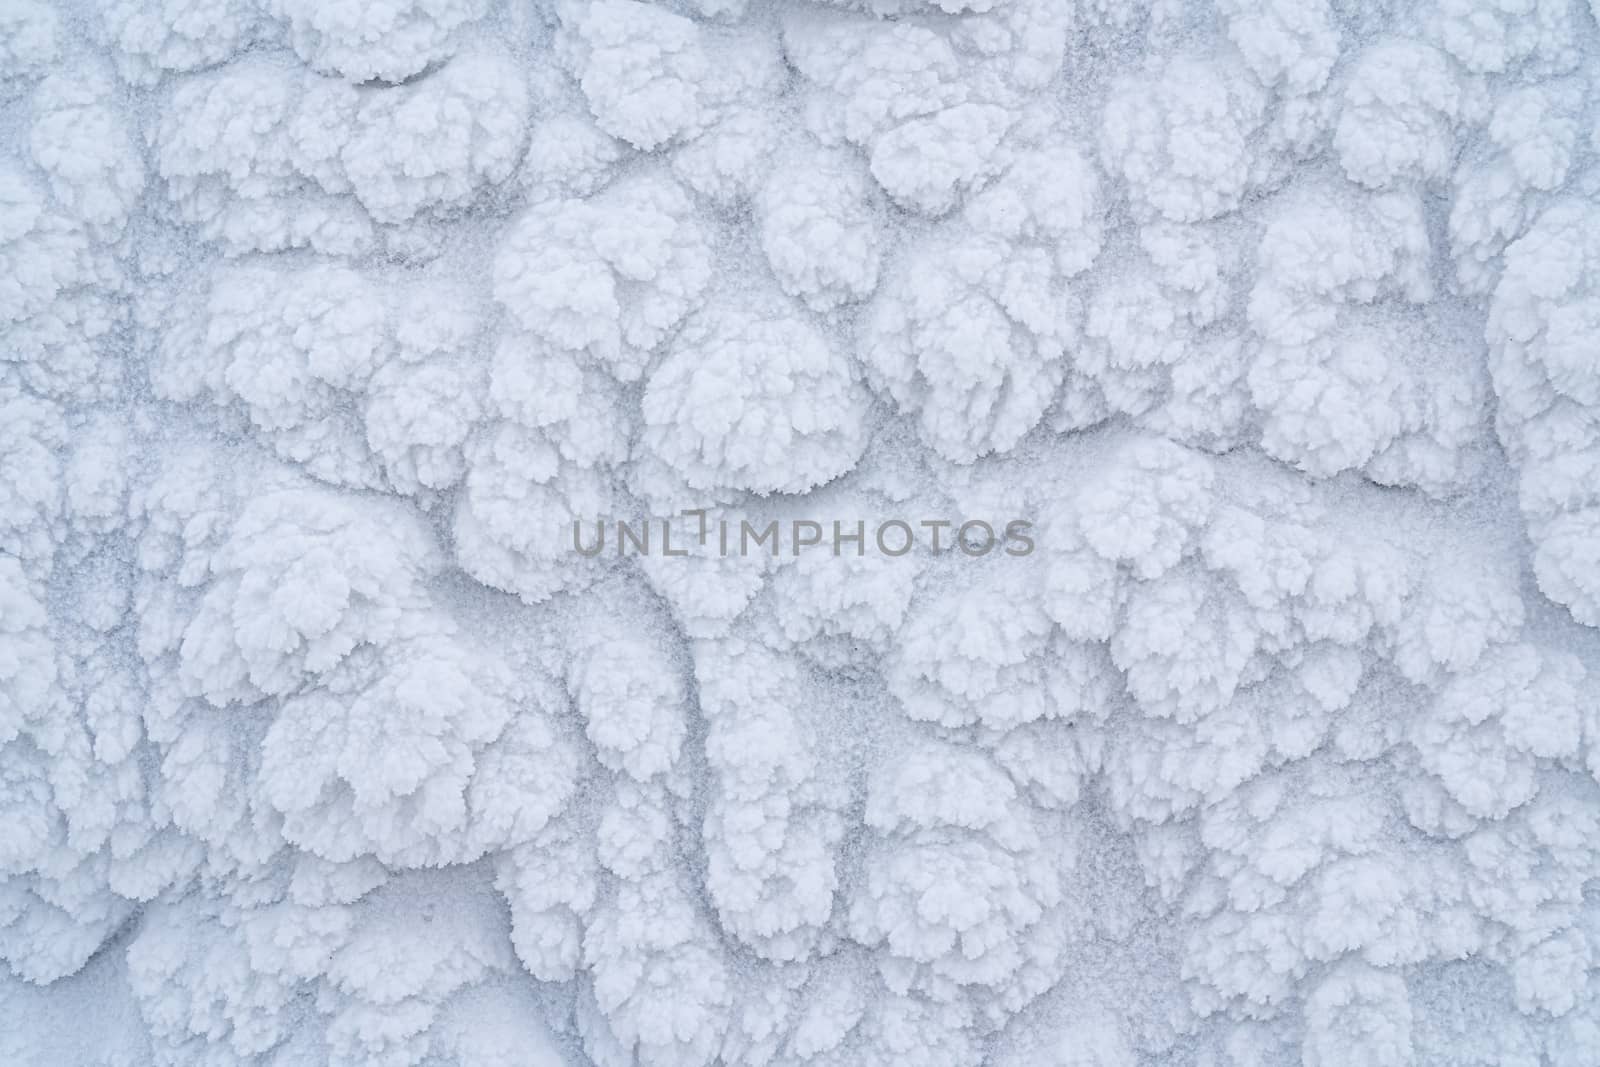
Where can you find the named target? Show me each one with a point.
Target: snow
(324, 324)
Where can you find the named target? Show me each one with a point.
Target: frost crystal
(1270, 736)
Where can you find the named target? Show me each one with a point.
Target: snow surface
(322, 320)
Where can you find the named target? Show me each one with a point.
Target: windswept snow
(1270, 736)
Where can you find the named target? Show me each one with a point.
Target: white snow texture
(323, 321)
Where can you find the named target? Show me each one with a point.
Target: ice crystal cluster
(321, 321)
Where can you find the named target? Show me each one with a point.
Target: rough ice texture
(321, 321)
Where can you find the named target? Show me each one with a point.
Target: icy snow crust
(321, 320)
